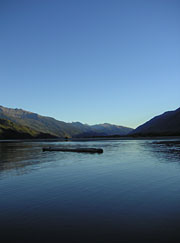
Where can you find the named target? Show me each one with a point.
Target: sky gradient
(93, 61)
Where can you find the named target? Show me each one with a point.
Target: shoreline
(88, 139)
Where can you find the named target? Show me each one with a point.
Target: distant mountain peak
(49, 125)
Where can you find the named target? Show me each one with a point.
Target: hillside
(10, 130)
(39, 123)
(166, 124)
(43, 124)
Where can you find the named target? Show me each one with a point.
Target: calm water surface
(130, 193)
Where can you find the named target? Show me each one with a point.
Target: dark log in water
(78, 150)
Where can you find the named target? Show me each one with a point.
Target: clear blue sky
(94, 61)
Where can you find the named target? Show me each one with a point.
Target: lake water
(130, 193)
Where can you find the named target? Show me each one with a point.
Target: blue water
(130, 193)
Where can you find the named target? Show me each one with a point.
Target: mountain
(104, 129)
(38, 123)
(53, 127)
(10, 130)
(166, 124)
(110, 129)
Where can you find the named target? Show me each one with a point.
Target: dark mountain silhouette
(167, 124)
(49, 125)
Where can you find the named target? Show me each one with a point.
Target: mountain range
(14, 121)
(18, 123)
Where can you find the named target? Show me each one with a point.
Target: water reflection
(126, 192)
(167, 151)
(23, 157)
(17, 156)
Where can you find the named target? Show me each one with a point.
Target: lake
(130, 193)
